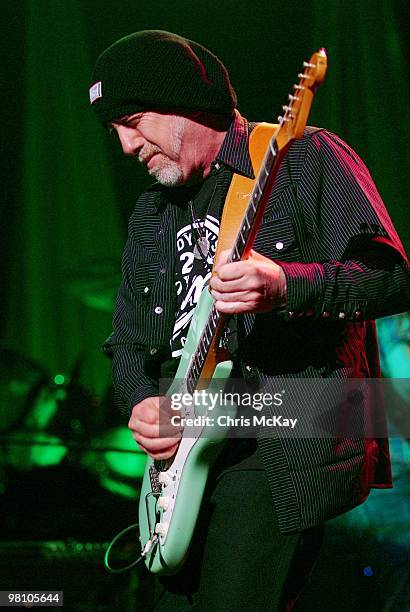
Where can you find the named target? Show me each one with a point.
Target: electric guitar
(172, 490)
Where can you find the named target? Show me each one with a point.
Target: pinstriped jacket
(327, 226)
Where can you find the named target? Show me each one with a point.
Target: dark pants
(238, 559)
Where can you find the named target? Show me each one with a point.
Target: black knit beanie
(157, 69)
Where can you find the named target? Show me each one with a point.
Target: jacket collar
(234, 151)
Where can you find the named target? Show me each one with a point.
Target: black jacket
(326, 225)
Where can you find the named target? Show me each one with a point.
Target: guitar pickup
(154, 479)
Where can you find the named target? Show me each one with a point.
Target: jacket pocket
(276, 239)
(144, 272)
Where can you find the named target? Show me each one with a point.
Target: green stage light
(59, 379)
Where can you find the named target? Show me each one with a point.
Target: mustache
(147, 152)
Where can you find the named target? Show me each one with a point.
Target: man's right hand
(148, 420)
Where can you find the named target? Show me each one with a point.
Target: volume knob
(163, 502)
(166, 478)
(161, 529)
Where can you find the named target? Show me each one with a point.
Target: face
(165, 143)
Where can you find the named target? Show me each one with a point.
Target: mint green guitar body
(169, 505)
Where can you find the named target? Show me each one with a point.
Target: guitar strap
(241, 188)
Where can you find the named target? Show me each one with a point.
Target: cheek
(156, 133)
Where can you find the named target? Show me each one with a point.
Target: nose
(130, 139)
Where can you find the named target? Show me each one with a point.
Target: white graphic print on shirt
(191, 275)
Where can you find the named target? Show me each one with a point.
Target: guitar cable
(120, 570)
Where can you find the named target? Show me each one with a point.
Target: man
(326, 261)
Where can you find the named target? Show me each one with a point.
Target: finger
(232, 271)
(244, 283)
(223, 257)
(155, 445)
(164, 429)
(236, 296)
(136, 424)
(235, 307)
(141, 447)
(164, 454)
(255, 256)
(147, 413)
(149, 430)
(220, 285)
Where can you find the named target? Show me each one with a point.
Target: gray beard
(170, 175)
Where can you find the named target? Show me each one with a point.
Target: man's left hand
(256, 284)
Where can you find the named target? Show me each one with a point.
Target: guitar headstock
(315, 69)
(293, 121)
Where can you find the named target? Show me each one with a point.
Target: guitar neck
(257, 203)
(291, 126)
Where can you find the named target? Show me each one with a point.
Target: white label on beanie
(95, 92)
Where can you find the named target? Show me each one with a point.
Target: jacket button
(146, 290)
(153, 351)
(325, 314)
(357, 314)
(291, 314)
(279, 246)
(309, 313)
(342, 315)
(158, 310)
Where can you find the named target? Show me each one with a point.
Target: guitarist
(326, 262)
